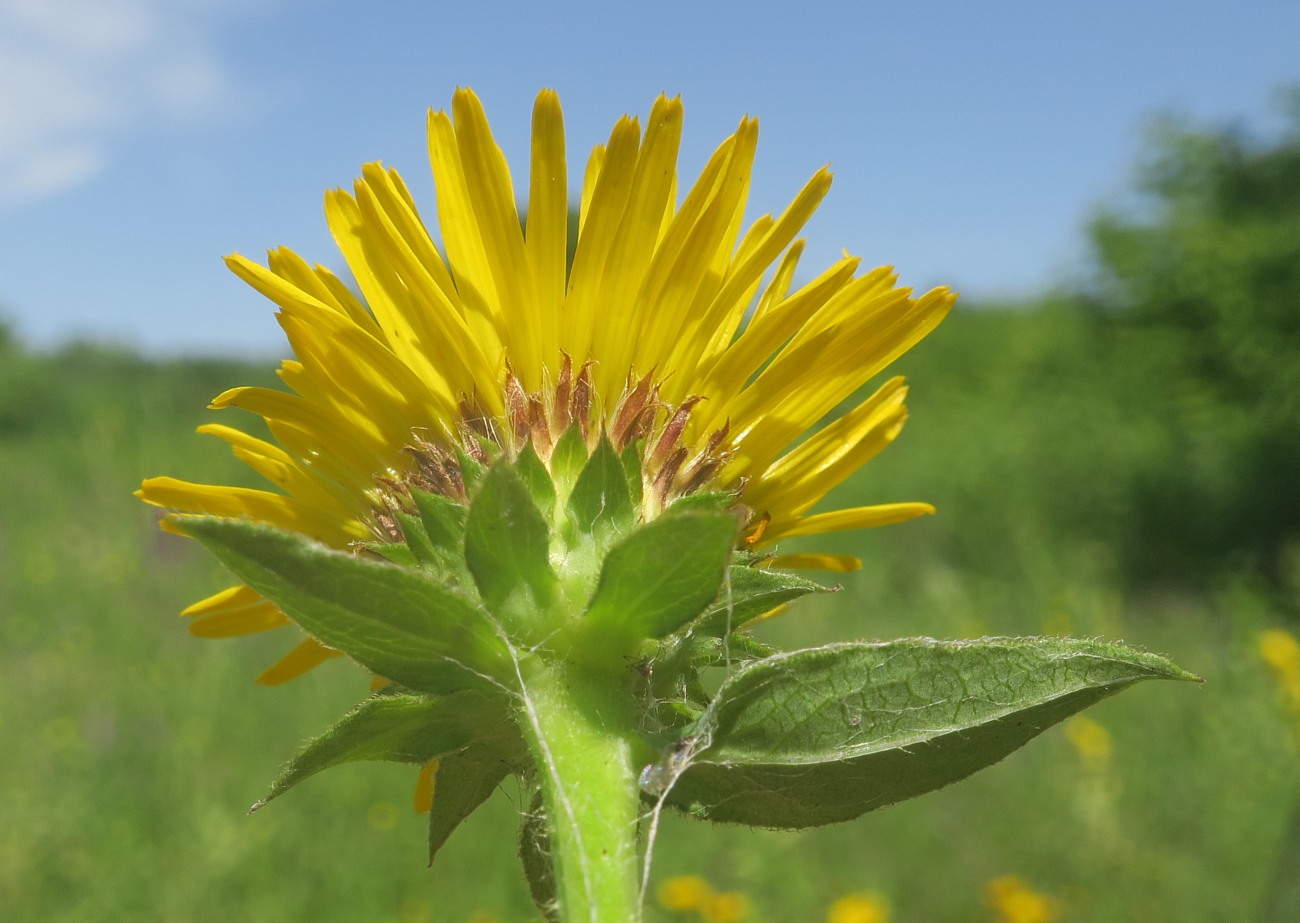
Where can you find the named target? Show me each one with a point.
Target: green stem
(578, 727)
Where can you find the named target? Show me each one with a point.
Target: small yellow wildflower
(382, 815)
(1013, 901)
(727, 907)
(860, 907)
(1281, 651)
(684, 893)
(1091, 741)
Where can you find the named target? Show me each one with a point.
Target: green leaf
(464, 781)
(600, 495)
(823, 735)
(394, 728)
(395, 621)
(507, 543)
(752, 592)
(663, 574)
(532, 471)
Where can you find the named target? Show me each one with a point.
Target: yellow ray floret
(664, 306)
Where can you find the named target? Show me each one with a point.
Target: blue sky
(142, 140)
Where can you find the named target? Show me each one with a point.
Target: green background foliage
(1117, 462)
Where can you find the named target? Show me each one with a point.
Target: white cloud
(75, 75)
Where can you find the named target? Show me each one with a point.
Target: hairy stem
(578, 728)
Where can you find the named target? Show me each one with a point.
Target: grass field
(132, 751)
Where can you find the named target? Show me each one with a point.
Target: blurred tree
(1199, 294)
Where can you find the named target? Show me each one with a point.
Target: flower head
(1014, 901)
(1280, 650)
(859, 908)
(667, 336)
(1090, 740)
(685, 893)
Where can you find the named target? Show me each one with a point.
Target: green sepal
(532, 471)
(464, 780)
(507, 547)
(471, 470)
(417, 540)
(717, 501)
(568, 458)
(823, 735)
(535, 857)
(393, 620)
(393, 552)
(600, 496)
(751, 592)
(443, 521)
(737, 647)
(394, 728)
(662, 575)
(630, 458)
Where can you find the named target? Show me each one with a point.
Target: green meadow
(1103, 464)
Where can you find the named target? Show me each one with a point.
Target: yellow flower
(684, 893)
(727, 907)
(1090, 740)
(663, 334)
(1015, 902)
(1281, 651)
(859, 908)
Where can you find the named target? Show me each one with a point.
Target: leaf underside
(824, 735)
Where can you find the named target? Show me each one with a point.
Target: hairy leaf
(395, 728)
(823, 735)
(417, 540)
(507, 542)
(464, 781)
(751, 592)
(631, 460)
(568, 459)
(600, 495)
(443, 520)
(532, 471)
(393, 620)
(663, 574)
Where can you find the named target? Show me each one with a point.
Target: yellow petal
(249, 620)
(807, 473)
(836, 563)
(600, 221)
(235, 597)
(422, 799)
(862, 517)
(306, 656)
(633, 244)
(461, 235)
(496, 218)
(547, 238)
(257, 505)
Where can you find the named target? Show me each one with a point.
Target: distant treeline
(1199, 289)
